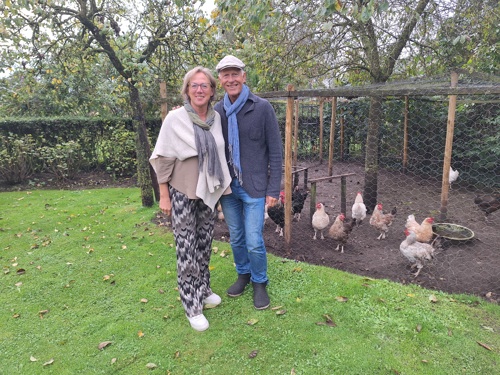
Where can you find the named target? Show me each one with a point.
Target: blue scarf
(233, 133)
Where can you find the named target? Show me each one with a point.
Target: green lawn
(84, 267)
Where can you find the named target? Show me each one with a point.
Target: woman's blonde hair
(190, 74)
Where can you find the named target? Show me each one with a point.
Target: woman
(192, 172)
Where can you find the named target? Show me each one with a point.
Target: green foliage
(84, 267)
(18, 156)
(117, 153)
(64, 160)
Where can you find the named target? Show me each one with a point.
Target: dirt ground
(471, 267)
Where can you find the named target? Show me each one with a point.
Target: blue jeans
(244, 216)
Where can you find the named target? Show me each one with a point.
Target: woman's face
(200, 91)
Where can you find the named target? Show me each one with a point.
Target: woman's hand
(166, 205)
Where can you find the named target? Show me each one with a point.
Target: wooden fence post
(405, 136)
(163, 99)
(321, 121)
(288, 170)
(445, 185)
(332, 136)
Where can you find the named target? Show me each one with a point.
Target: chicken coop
(427, 147)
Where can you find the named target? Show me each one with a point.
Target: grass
(85, 267)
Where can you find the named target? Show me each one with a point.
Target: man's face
(232, 80)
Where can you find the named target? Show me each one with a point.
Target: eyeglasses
(204, 86)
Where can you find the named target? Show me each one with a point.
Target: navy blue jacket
(261, 147)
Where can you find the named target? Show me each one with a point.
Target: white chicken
(358, 209)
(320, 220)
(453, 176)
(416, 252)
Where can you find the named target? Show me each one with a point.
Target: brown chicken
(416, 252)
(320, 220)
(381, 221)
(340, 230)
(488, 203)
(422, 231)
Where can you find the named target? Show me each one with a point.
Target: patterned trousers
(193, 227)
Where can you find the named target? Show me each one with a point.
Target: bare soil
(471, 267)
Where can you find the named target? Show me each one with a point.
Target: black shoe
(260, 298)
(238, 287)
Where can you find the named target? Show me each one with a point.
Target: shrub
(65, 160)
(118, 153)
(18, 155)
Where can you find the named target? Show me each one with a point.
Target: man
(254, 154)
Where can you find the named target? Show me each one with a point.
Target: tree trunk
(371, 158)
(143, 150)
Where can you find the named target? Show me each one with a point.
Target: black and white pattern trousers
(193, 227)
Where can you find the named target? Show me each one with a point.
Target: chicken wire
(410, 180)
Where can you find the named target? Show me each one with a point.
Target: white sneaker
(213, 300)
(199, 322)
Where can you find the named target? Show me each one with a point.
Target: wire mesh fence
(437, 156)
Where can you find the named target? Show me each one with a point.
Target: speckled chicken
(422, 231)
(358, 209)
(320, 220)
(340, 230)
(381, 221)
(416, 252)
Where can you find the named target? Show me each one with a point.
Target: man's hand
(270, 201)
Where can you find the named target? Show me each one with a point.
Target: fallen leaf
(253, 354)
(341, 299)
(252, 322)
(140, 334)
(484, 345)
(433, 298)
(297, 269)
(18, 284)
(42, 313)
(103, 344)
(418, 328)
(177, 354)
(209, 306)
(21, 271)
(49, 362)
(411, 295)
(328, 321)
(281, 312)
(298, 299)
(292, 372)
(144, 300)
(276, 308)
(113, 360)
(151, 366)
(488, 328)
(15, 316)
(161, 291)
(33, 359)
(106, 277)
(215, 249)
(425, 361)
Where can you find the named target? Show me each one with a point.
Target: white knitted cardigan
(176, 139)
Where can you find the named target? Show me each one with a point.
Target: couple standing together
(231, 153)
